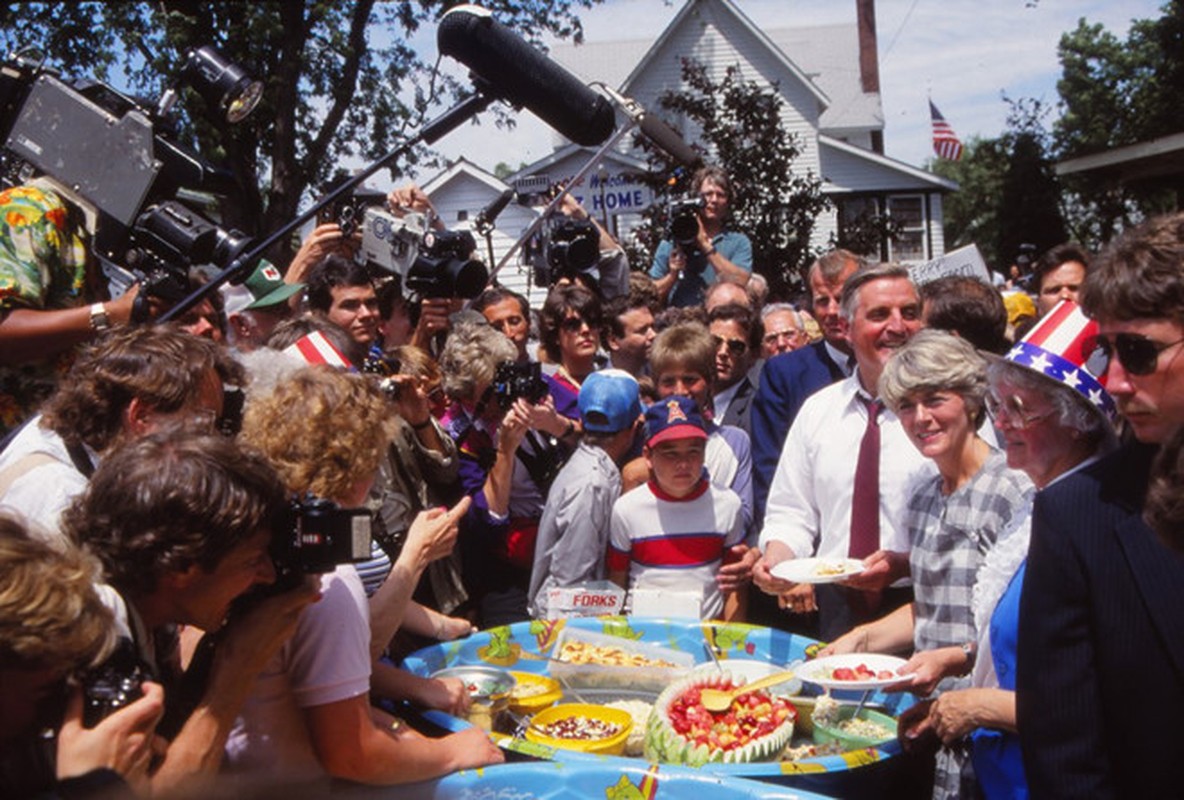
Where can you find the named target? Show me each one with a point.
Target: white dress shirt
(809, 506)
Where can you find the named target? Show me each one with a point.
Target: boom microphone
(488, 215)
(523, 76)
(669, 141)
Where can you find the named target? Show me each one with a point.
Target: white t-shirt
(41, 493)
(326, 660)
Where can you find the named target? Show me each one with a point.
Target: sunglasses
(1013, 412)
(575, 324)
(1137, 354)
(736, 347)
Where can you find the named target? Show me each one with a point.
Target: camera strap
(543, 462)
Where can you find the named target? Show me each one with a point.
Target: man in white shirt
(809, 510)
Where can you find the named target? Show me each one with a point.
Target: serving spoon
(717, 700)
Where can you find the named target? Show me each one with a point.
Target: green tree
(1116, 93)
(1029, 195)
(971, 214)
(344, 80)
(741, 128)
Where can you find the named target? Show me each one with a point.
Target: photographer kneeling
(700, 254)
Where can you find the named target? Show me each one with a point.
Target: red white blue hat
(1055, 348)
(675, 417)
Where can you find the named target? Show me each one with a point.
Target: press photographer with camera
(309, 717)
(183, 523)
(576, 248)
(53, 627)
(701, 248)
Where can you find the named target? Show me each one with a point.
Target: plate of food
(854, 671)
(817, 570)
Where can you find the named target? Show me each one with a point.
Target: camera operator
(53, 626)
(683, 270)
(122, 386)
(309, 717)
(51, 297)
(612, 265)
(182, 523)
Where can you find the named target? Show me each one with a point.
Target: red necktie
(865, 500)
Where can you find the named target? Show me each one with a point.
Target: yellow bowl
(533, 693)
(611, 745)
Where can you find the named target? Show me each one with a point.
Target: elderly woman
(1050, 430)
(936, 385)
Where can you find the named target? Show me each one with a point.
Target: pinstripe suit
(1100, 685)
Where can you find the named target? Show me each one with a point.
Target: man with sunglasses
(1101, 640)
(736, 332)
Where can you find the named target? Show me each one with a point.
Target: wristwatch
(99, 321)
(970, 650)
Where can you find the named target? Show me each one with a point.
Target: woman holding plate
(936, 385)
(1054, 418)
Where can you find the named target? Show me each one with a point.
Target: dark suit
(1100, 678)
(786, 381)
(739, 411)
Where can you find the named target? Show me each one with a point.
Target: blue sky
(963, 53)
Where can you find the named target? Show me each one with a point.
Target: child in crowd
(672, 534)
(573, 531)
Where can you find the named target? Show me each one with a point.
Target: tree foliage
(971, 215)
(1116, 93)
(344, 80)
(741, 129)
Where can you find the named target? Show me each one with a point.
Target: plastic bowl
(611, 745)
(825, 734)
(533, 693)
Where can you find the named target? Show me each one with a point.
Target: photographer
(612, 265)
(684, 269)
(182, 524)
(50, 295)
(123, 386)
(52, 627)
(309, 717)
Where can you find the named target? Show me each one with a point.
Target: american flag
(945, 141)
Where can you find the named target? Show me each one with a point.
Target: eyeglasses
(781, 336)
(736, 347)
(1137, 354)
(1013, 412)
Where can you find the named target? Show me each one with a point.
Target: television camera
(430, 262)
(120, 157)
(565, 248)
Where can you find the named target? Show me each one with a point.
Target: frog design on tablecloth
(624, 789)
(500, 651)
(546, 631)
(725, 638)
(619, 626)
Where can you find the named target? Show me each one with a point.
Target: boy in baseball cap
(671, 535)
(573, 531)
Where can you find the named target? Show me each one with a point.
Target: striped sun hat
(1055, 348)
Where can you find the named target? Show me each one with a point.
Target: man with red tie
(841, 484)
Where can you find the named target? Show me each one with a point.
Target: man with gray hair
(824, 503)
(784, 331)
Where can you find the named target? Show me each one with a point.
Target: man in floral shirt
(45, 283)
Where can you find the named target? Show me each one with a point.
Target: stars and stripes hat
(1055, 348)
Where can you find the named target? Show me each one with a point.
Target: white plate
(820, 670)
(817, 570)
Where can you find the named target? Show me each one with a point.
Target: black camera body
(318, 535)
(386, 368)
(445, 267)
(513, 380)
(113, 684)
(684, 220)
(565, 248)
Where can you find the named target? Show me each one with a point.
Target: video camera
(118, 156)
(566, 248)
(684, 220)
(513, 380)
(431, 263)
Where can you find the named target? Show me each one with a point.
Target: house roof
(1155, 158)
(886, 174)
(567, 151)
(825, 58)
(463, 166)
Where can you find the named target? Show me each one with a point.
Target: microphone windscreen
(669, 141)
(522, 75)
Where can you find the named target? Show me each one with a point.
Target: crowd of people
(178, 501)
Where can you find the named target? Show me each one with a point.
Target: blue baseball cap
(609, 401)
(675, 417)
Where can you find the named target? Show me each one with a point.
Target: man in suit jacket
(736, 332)
(788, 379)
(1100, 682)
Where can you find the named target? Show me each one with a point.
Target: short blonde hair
(323, 430)
(936, 361)
(51, 618)
(471, 357)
